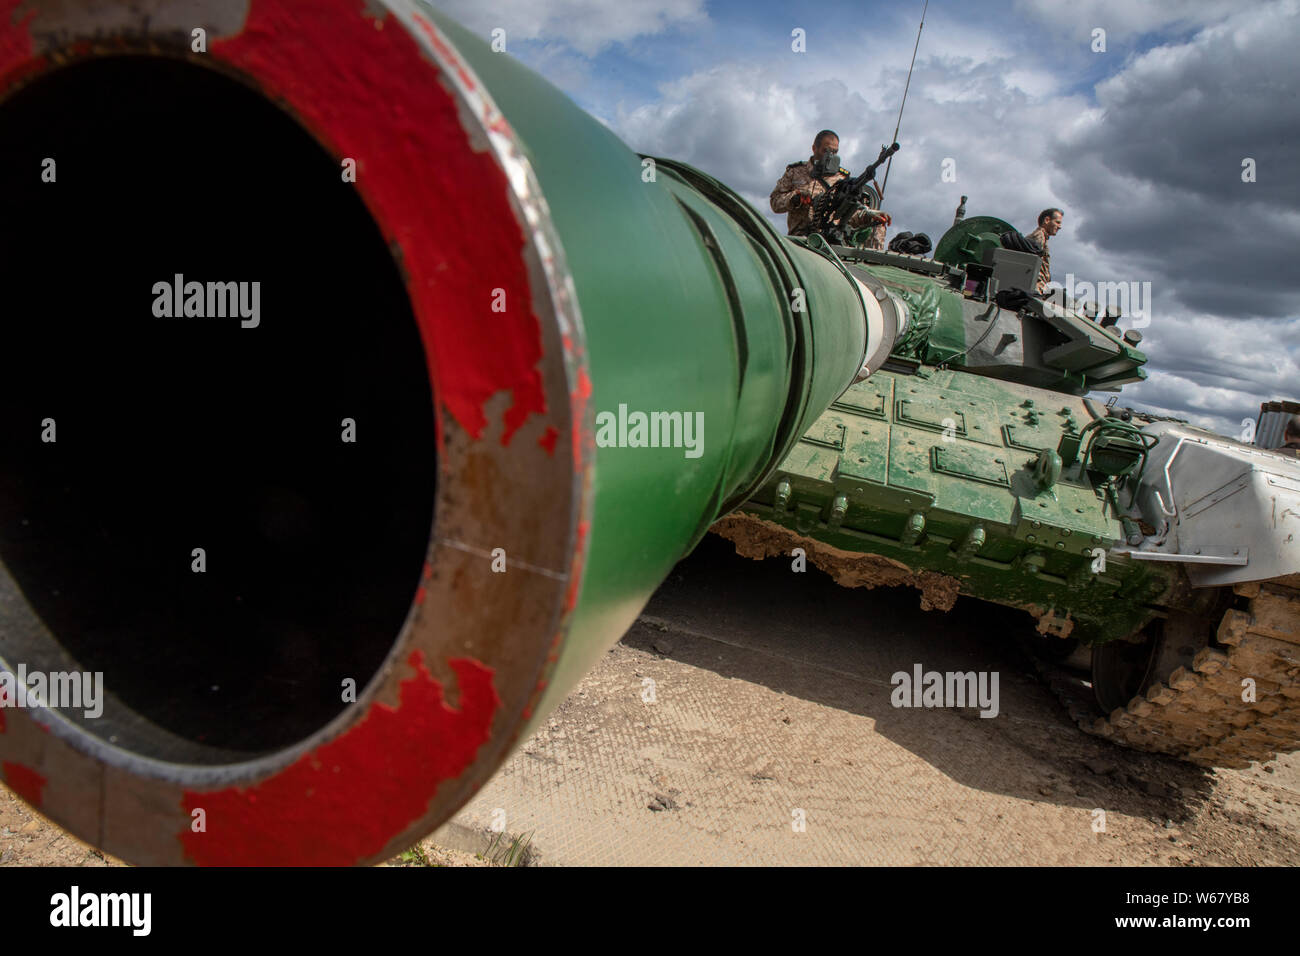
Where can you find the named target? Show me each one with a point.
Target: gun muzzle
(360, 391)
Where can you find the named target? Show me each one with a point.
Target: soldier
(1049, 224)
(1291, 438)
(804, 182)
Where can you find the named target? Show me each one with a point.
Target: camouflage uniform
(799, 218)
(1039, 236)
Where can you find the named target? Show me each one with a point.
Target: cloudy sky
(1142, 144)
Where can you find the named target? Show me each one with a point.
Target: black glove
(912, 244)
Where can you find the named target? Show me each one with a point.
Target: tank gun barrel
(335, 535)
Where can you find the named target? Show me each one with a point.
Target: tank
(1158, 559)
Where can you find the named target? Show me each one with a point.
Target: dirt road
(772, 694)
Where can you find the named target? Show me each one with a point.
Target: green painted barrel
(573, 360)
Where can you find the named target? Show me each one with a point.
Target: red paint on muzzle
(15, 42)
(25, 782)
(347, 799)
(372, 95)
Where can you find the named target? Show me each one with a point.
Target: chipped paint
(25, 782)
(373, 95)
(15, 42)
(581, 394)
(346, 800)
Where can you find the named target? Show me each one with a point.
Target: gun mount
(832, 210)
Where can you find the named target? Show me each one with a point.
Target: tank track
(1196, 712)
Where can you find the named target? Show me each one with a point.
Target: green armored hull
(937, 470)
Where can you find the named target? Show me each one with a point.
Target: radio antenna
(906, 86)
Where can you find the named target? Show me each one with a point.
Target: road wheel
(1122, 670)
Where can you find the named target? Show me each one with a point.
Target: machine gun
(832, 210)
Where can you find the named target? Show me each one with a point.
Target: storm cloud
(1141, 143)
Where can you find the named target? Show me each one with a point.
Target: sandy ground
(769, 737)
(772, 694)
